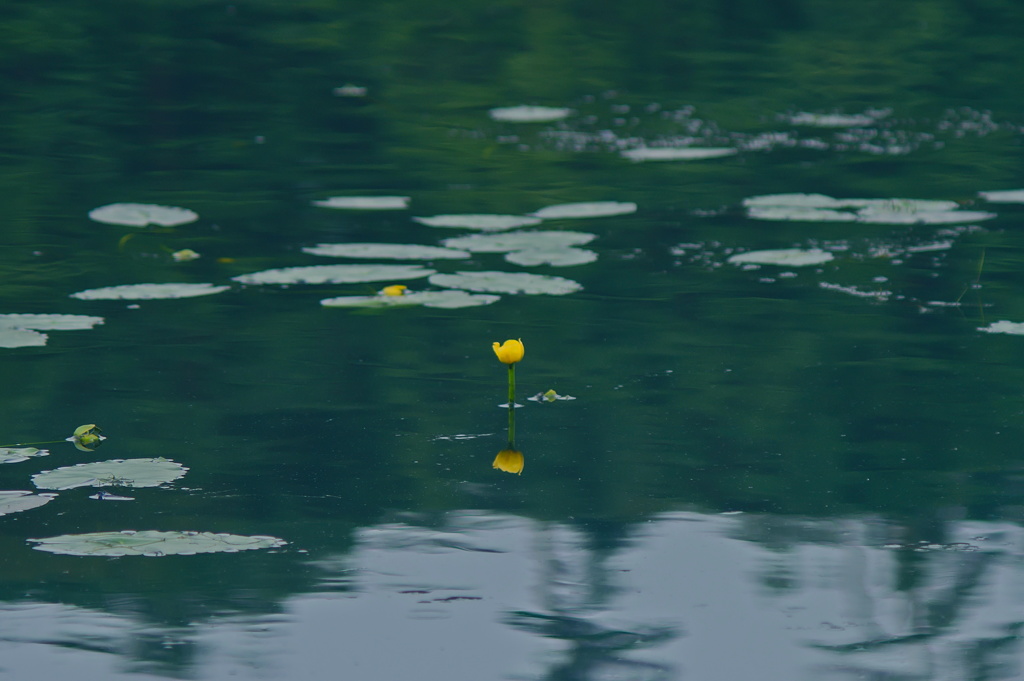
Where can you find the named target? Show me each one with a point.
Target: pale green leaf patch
(19, 454)
(153, 543)
(149, 292)
(556, 257)
(588, 209)
(481, 222)
(364, 202)
(641, 154)
(506, 282)
(142, 215)
(334, 274)
(113, 473)
(529, 114)
(518, 241)
(386, 251)
(15, 501)
(788, 257)
(452, 299)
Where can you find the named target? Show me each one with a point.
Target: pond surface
(787, 314)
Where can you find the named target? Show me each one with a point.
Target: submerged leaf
(334, 274)
(484, 223)
(593, 209)
(114, 473)
(152, 543)
(365, 202)
(142, 214)
(386, 251)
(506, 282)
(149, 292)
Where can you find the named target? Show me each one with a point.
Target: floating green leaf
(16, 501)
(641, 154)
(1012, 328)
(365, 202)
(821, 208)
(439, 299)
(386, 251)
(153, 543)
(789, 257)
(834, 120)
(142, 214)
(113, 473)
(18, 454)
(507, 282)
(484, 223)
(529, 114)
(518, 241)
(1004, 196)
(149, 292)
(556, 257)
(593, 209)
(21, 338)
(50, 322)
(334, 274)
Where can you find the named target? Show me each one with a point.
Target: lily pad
(142, 214)
(334, 274)
(591, 209)
(113, 473)
(556, 257)
(834, 120)
(821, 208)
(1004, 196)
(482, 222)
(365, 202)
(1012, 328)
(19, 454)
(641, 154)
(16, 501)
(21, 338)
(507, 282)
(529, 114)
(386, 251)
(50, 322)
(518, 241)
(788, 257)
(153, 543)
(149, 292)
(438, 299)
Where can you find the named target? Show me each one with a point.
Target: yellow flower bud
(509, 352)
(394, 290)
(509, 461)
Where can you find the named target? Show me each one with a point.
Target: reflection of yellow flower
(394, 290)
(510, 352)
(510, 461)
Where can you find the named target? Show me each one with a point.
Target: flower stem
(511, 406)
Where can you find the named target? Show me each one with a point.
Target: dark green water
(777, 472)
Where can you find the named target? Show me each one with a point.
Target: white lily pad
(365, 202)
(788, 257)
(149, 292)
(518, 241)
(15, 501)
(556, 257)
(12, 337)
(1012, 328)
(529, 114)
(452, 299)
(142, 214)
(1004, 196)
(832, 120)
(641, 154)
(821, 208)
(50, 322)
(386, 251)
(507, 282)
(588, 209)
(334, 274)
(792, 201)
(19, 454)
(482, 222)
(113, 473)
(800, 214)
(153, 543)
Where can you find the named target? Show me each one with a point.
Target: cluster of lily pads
(119, 474)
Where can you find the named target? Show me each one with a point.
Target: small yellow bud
(509, 352)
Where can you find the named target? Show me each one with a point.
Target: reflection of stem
(511, 426)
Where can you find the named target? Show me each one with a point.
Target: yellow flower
(394, 290)
(510, 352)
(510, 461)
